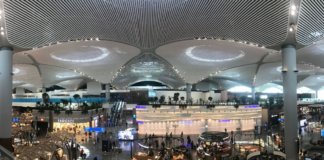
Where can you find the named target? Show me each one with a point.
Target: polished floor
(127, 150)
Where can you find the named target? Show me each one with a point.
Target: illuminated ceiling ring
(189, 53)
(104, 53)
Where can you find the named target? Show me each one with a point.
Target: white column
(253, 94)
(224, 96)
(43, 91)
(108, 92)
(316, 94)
(289, 73)
(188, 92)
(5, 96)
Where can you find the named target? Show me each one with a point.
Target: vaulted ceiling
(68, 43)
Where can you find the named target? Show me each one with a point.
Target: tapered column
(43, 91)
(188, 92)
(5, 97)
(253, 94)
(289, 74)
(107, 92)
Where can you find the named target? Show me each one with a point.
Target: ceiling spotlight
(97, 39)
(291, 29)
(2, 33)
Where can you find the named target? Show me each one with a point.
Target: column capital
(6, 48)
(288, 45)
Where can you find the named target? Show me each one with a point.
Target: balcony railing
(5, 154)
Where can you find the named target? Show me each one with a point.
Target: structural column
(289, 73)
(253, 94)
(188, 92)
(43, 91)
(6, 97)
(108, 92)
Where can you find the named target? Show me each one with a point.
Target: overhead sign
(94, 129)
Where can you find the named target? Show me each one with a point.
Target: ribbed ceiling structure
(310, 26)
(145, 23)
(224, 42)
(148, 67)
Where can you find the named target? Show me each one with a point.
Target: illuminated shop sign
(94, 129)
(140, 122)
(224, 120)
(251, 106)
(65, 120)
(140, 107)
(15, 119)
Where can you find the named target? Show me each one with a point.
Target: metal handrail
(5, 154)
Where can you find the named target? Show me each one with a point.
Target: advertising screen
(302, 122)
(322, 132)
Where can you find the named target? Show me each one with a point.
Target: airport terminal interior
(162, 80)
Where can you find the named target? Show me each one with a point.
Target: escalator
(116, 112)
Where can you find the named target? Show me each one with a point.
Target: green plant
(162, 99)
(176, 97)
(84, 111)
(41, 110)
(236, 106)
(57, 111)
(68, 112)
(156, 105)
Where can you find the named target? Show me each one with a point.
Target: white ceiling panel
(314, 82)
(21, 58)
(243, 74)
(197, 59)
(26, 74)
(52, 74)
(72, 84)
(98, 60)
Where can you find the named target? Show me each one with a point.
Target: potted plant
(162, 99)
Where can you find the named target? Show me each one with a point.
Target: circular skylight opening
(206, 53)
(82, 55)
